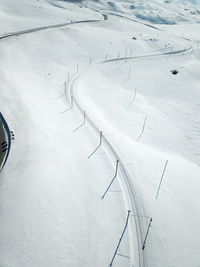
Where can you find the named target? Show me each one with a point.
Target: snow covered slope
(156, 11)
(51, 211)
(34, 13)
(119, 71)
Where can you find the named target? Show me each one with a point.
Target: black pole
(100, 142)
(163, 173)
(65, 88)
(143, 127)
(72, 103)
(134, 96)
(144, 243)
(116, 170)
(120, 240)
(84, 120)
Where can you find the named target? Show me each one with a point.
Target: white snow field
(117, 66)
(156, 11)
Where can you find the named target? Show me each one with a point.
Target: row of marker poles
(126, 56)
(106, 58)
(118, 55)
(117, 161)
(114, 177)
(107, 189)
(116, 168)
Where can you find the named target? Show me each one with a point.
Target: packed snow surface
(120, 71)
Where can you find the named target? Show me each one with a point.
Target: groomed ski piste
(71, 70)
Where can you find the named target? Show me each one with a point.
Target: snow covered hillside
(71, 71)
(156, 11)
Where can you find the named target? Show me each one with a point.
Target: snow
(157, 11)
(34, 13)
(51, 212)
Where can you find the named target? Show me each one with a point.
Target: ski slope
(118, 69)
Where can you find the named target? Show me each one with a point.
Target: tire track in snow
(54, 26)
